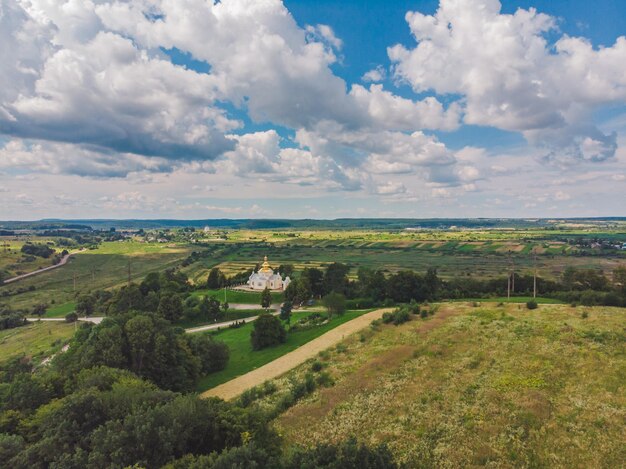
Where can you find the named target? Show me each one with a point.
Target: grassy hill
(472, 386)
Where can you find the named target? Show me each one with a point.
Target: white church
(266, 278)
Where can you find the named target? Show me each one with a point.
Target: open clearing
(497, 386)
(243, 359)
(292, 359)
(36, 340)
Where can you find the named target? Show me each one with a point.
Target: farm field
(13, 262)
(499, 386)
(244, 359)
(478, 253)
(36, 340)
(105, 267)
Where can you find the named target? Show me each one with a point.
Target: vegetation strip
(285, 363)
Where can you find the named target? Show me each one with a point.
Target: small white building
(266, 278)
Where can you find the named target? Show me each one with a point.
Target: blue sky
(321, 108)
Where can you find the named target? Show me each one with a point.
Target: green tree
(285, 311)
(40, 309)
(266, 298)
(214, 310)
(335, 303)
(139, 334)
(285, 269)
(213, 354)
(431, 283)
(216, 279)
(85, 305)
(315, 281)
(336, 278)
(170, 307)
(267, 331)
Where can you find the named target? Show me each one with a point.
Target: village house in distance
(266, 278)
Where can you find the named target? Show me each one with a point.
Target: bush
(317, 366)
(401, 316)
(267, 331)
(585, 315)
(532, 304)
(335, 303)
(71, 317)
(324, 379)
(397, 317)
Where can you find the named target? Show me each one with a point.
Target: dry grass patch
(469, 387)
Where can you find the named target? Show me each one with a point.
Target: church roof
(266, 266)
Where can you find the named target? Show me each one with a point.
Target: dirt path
(61, 263)
(281, 365)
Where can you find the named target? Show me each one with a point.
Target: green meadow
(244, 359)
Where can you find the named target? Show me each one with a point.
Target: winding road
(62, 262)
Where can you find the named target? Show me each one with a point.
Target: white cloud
(375, 75)
(512, 78)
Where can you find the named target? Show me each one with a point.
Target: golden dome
(266, 266)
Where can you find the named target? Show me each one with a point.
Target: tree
(285, 311)
(216, 279)
(213, 354)
(170, 307)
(336, 278)
(85, 305)
(266, 298)
(267, 331)
(405, 286)
(285, 269)
(431, 283)
(335, 303)
(214, 312)
(40, 309)
(314, 279)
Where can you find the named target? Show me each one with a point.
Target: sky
(196, 109)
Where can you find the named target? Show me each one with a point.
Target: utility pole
(508, 277)
(129, 272)
(535, 274)
(513, 276)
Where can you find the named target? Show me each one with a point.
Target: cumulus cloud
(61, 158)
(98, 75)
(511, 77)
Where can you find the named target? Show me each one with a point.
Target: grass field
(461, 253)
(102, 268)
(238, 296)
(13, 262)
(58, 311)
(37, 340)
(472, 387)
(513, 299)
(244, 359)
(231, 315)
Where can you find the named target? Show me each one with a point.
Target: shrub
(267, 331)
(401, 316)
(585, 315)
(71, 317)
(532, 304)
(317, 366)
(335, 303)
(324, 379)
